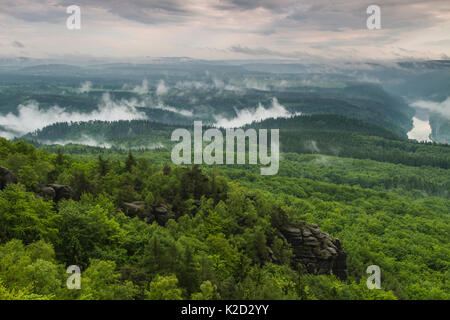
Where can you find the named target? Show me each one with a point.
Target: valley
(88, 178)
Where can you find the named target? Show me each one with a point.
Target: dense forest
(314, 134)
(86, 179)
(140, 228)
(226, 150)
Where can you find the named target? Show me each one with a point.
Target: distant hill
(318, 134)
(327, 123)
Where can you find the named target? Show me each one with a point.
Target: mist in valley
(224, 94)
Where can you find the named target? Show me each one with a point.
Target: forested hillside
(143, 229)
(228, 150)
(316, 134)
(86, 179)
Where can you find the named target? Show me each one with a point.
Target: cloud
(151, 146)
(312, 146)
(84, 140)
(247, 116)
(266, 52)
(366, 78)
(278, 6)
(214, 83)
(284, 28)
(142, 89)
(143, 11)
(161, 88)
(255, 84)
(322, 14)
(35, 11)
(6, 134)
(54, 11)
(342, 14)
(86, 87)
(183, 112)
(440, 107)
(30, 117)
(17, 44)
(190, 85)
(421, 130)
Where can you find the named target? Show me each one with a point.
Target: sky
(226, 29)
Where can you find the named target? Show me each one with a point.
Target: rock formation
(56, 192)
(316, 250)
(6, 176)
(47, 193)
(161, 213)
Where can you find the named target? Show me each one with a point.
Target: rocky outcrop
(6, 176)
(134, 209)
(160, 213)
(56, 192)
(316, 250)
(340, 264)
(47, 193)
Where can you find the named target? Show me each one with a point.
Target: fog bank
(247, 116)
(31, 117)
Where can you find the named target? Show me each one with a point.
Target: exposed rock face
(340, 264)
(316, 250)
(57, 192)
(160, 213)
(6, 176)
(47, 193)
(134, 209)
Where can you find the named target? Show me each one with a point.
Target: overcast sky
(226, 29)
